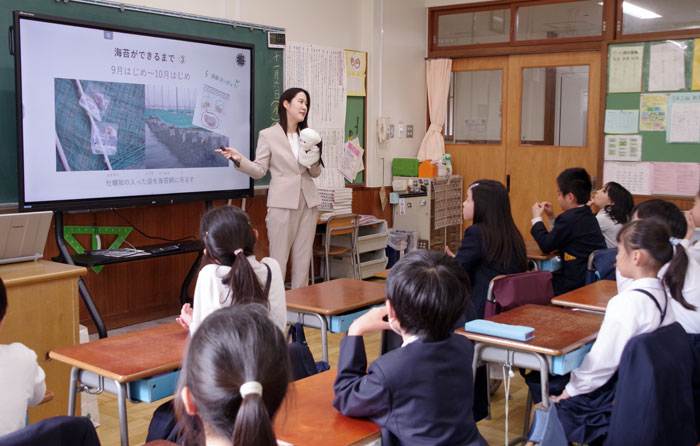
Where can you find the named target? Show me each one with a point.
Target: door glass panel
(558, 20)
(554, 106)
(472, 28)
(648, 16)
(477, 106)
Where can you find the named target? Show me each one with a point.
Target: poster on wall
(652, 115)
(625, 69)
(684, 117)
(667, 66)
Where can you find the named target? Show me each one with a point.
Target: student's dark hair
(577, 181)
(621, 210)
(654, 236)
(288, 95)
(500, 237)
(665, 211)
(429, 291)
(234, 345)
(225, 230)
(3, 300)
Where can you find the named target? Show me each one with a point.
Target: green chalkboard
(654, 145)
(355, 128)
(268, 66)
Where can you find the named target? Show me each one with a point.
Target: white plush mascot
(310, 147)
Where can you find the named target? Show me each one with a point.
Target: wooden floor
(140, 414)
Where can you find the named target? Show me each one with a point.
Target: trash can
(399, 244)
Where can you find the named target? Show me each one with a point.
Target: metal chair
(347, 226)
(510, 291)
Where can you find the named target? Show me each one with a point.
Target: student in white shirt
(673, 217)
(235, 276)
(23, 380)
(615, 204)
(692, 217)
(643, 247)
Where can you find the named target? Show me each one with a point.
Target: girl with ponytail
(234, 275)
(644, 246)
(233, 380)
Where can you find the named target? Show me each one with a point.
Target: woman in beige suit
(292, 199)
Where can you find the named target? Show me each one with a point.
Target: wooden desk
(541, 260)
(123, 359)
(326, 299)
(557, 331)
(382, 274)
(42, 313)
(307, 416)
(594, 296)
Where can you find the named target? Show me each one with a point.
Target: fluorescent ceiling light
(637, 11)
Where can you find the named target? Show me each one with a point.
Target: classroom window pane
(473, 28)
(476, 113)
(554, 106)
(648, 16)
(559, 20)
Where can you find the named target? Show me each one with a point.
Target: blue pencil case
(516, 332)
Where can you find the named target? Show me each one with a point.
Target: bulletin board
(674, 74)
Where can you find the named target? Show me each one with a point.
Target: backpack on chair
(300, 355)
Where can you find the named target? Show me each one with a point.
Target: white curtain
(438, 73)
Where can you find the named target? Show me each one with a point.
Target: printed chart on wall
(652, 117)
(330, 75)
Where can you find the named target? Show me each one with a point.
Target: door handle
(508, 183)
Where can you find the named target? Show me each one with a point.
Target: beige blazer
(289, 178)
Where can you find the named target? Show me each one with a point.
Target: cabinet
(435, 212)
(371, 242)
(42, 313)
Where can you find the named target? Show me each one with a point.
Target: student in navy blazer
(575, 233)
(422, 392)
(492, 245)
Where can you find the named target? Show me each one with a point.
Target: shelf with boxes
(371, 241)
(432, 207)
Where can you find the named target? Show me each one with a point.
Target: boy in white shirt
(23, 379)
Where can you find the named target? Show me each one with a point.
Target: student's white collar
(410, 340)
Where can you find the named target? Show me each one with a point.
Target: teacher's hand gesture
(230, 154)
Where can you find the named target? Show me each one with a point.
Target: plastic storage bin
(154, 388)
(370, 263)
(400, 243)
(404, 167)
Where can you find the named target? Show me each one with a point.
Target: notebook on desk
(23, 236)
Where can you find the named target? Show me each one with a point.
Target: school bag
(300, 355)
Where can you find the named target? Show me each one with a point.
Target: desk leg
(324, 335)
(72, 390)
(478, 346)
(544, 379)
(121, 401)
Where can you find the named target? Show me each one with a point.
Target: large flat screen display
(111, 117)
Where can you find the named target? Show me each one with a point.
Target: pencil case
(516, 332)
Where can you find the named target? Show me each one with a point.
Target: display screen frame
(101, 201)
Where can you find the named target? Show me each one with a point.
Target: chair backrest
(661, 363)
(513, 290)
(695, 344)
(342, 225)
(601, 265)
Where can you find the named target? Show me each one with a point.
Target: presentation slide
(113, 114)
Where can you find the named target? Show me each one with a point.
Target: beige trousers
(292, 231)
